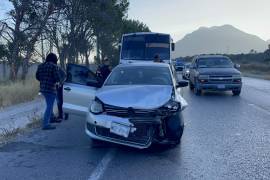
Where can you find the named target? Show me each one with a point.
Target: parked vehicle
(139, 104)
(212, 72)
(144, 46)
(186, 71)
(179, 65)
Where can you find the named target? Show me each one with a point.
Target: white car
(139, 103)
(186, 71)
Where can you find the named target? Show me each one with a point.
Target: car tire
(175, 128)
(66, 116)
(236, 92)
(191, 86)
(197, 91)
(96, 143)
(178, 138)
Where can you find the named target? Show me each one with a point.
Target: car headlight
(238, 76)
(203, 76)
(96, 107)
(172, 105)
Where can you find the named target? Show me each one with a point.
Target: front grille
(141, 136)
(128, 112)
(220, 79)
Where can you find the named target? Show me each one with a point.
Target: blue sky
(179, 17)
(4, 7)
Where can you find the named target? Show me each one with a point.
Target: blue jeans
(49, 98)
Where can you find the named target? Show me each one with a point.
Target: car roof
(211, 56)
(142, 33)
(144, 64)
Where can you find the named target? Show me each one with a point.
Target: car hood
(218, 71)
(135, 96)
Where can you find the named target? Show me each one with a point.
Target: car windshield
(180, 63)
(140, 76)
(146, 47)
(220, 62)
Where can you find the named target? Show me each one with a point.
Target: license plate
(120, 129)
(221, 86)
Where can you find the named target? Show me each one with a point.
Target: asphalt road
(225, 137)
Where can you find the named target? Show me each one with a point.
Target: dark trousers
(59, 99)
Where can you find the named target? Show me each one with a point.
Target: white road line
(102, 166)
(259, 108)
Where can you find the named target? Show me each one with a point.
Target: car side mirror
(237, 66)
(96, 84)
(173, 46)
(182, 84)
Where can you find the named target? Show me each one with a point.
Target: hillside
(218, 39)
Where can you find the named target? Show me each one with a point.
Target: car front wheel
(197, 90)
(191, 86)
(236, 92)
(175, 128)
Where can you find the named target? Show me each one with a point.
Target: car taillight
(237, 80)
(203, 80)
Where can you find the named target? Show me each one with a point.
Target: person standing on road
(105, 70)
(59, 97)
(48, 75)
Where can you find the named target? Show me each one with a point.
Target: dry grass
(8, 135)
(257, 70)
(18, 92)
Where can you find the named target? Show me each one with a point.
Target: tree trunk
(4, 70)
(98, 51)
(42, 49)
(87, 63)
(14, 67)
(26, 59)
(25, 65)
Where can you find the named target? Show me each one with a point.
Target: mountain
(218, 39)
(268, 41)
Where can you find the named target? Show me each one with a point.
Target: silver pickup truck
(214, 72)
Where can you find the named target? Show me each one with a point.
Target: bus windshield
(146, 47)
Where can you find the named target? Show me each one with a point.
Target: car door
(78, 90)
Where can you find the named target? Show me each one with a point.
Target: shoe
(60, 119)
(56, 121)
(49, 127)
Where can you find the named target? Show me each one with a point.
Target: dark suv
(214, 72)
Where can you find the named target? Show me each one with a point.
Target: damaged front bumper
(140, 135)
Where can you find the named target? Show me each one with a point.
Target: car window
(79, 74)
(213, 62)
(140, 76)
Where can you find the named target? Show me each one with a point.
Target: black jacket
(104, 71)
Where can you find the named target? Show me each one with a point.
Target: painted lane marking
(102, 166)
(259, 108)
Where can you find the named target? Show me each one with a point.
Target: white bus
(145, 46)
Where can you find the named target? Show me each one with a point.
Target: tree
(131, 26)
(75, 28)
(23, 29)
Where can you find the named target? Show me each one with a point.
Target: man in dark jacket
(105, 70)
(59, 96)
(48, 75)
